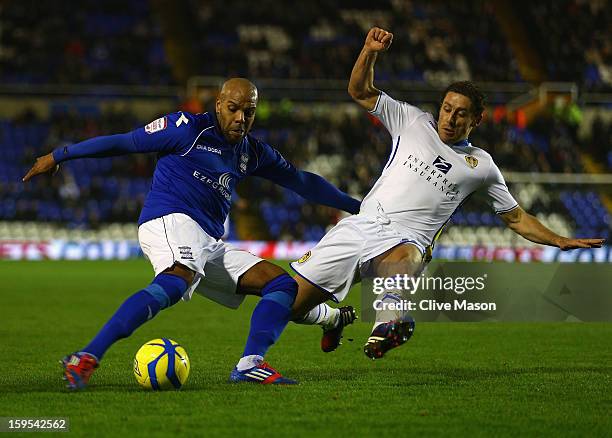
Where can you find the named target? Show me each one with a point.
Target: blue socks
(271, 315)
(164, 291)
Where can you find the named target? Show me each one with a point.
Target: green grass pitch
(477, 379)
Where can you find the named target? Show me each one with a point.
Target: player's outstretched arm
(532, 229)
(312, 187)
(315, 188)
(361, 84)
(104, 146)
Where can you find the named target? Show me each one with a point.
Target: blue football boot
(263, 374)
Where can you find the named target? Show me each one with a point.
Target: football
(161, 364)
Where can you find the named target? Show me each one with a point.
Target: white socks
(328, 317)
(386, 315)
(323, 315)
(248, 362)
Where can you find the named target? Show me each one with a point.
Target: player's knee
(258, 276)
(403, 259)
(266, 272)
(411, 255)
(282, 289)
(181, 271)
(167, 289)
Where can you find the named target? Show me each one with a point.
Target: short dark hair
(471, 91)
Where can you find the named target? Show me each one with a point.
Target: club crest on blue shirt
(244, 161)
(471, 161)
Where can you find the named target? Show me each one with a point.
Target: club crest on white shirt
(305, 257)
(471, 161)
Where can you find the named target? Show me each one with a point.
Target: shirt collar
(464, 142)
(216, 122)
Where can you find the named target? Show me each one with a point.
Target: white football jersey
(425, 180)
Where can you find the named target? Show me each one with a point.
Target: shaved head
(235, 108)
(238, 87)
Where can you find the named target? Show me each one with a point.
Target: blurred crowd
(121, 42)
(574, 38)
(85, 42)
(434, 41)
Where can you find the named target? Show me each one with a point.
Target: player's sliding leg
(270, 317)
(165, 290)
(331, 320)
(393, 327)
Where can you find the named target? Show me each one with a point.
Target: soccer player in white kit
(432, 169)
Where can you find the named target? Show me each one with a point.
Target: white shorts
(333, 264)
(176, 238)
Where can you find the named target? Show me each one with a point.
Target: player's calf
(268, 320)
(164, 291)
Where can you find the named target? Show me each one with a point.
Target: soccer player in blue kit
(201, 158)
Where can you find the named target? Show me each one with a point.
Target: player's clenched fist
(378, 40)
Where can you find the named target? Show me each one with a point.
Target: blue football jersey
(197, 169)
